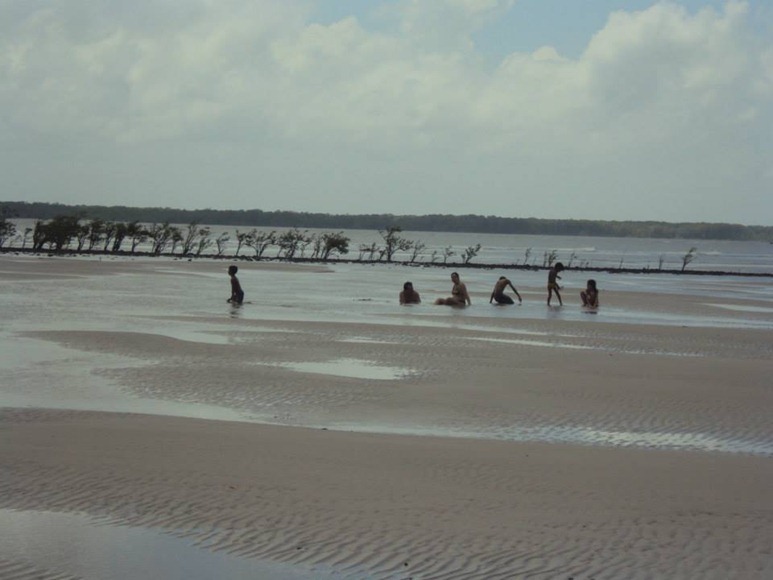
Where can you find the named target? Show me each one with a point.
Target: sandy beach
(326, 428)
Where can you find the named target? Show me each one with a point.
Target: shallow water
(80, 546)
(185, 301)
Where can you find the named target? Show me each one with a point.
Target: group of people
(460, 296)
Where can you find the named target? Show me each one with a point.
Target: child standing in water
(237, 294)
(590, 296)
(552, 284)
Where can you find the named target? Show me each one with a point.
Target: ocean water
(186, 300)
(513, 249)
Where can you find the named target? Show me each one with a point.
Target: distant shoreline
(333, 261)
(414, 223)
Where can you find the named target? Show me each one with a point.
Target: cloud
(662, 113)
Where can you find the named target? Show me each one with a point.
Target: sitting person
(499, 295)
(590, 296)
(409, 295)
(459, 295)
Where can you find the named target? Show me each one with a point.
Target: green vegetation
(426, 223)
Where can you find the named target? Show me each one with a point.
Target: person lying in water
(409, 295)
(459, 295)
(499, 295)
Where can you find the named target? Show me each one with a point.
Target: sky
(610, 110)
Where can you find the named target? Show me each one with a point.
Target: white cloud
(662, 105)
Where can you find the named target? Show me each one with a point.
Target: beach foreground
(370, 505)
(363, 440)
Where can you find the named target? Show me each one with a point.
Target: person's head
(559, 266)
(454, 277)
(591, 284)
(502, 278)
(232, 270)
(408, 286)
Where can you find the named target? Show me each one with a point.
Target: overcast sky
(626, 110)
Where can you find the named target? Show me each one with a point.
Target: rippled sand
(387, 442)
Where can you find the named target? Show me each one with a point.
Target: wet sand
(417, 443)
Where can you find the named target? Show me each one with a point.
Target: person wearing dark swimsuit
(499, 295)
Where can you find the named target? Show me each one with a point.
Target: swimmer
(409, 295)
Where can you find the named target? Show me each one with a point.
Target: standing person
(409, 295)
(590, 296)
(553, 284)
(237, 294)
(499, 295)
(459, 295)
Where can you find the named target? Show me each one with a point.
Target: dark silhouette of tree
(221, 242)
(204, 240)
(394, 242)
(261, 241)
(136, 234)
(160, 236)
(119, 236)
(57, 233)
(189, 238)
(418, 248)
(96, 231)
(176, 235)
(109, 235)
(370, 249)
(333, 243)
(688, 257)
(244, 239)
(83, 234)
(469, 253)
(289, 242)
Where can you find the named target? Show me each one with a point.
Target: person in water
(590, 296)
(237, 294)
(409, 295)
(553, 284)
(459, 295)
(499, 295)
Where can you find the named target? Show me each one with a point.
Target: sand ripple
(394, 507)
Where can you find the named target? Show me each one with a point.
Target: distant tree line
(424, 223)
(74, 233)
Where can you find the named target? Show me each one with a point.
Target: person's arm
(466, 294)
(418, 298)
(515, 290)
(493, 292)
